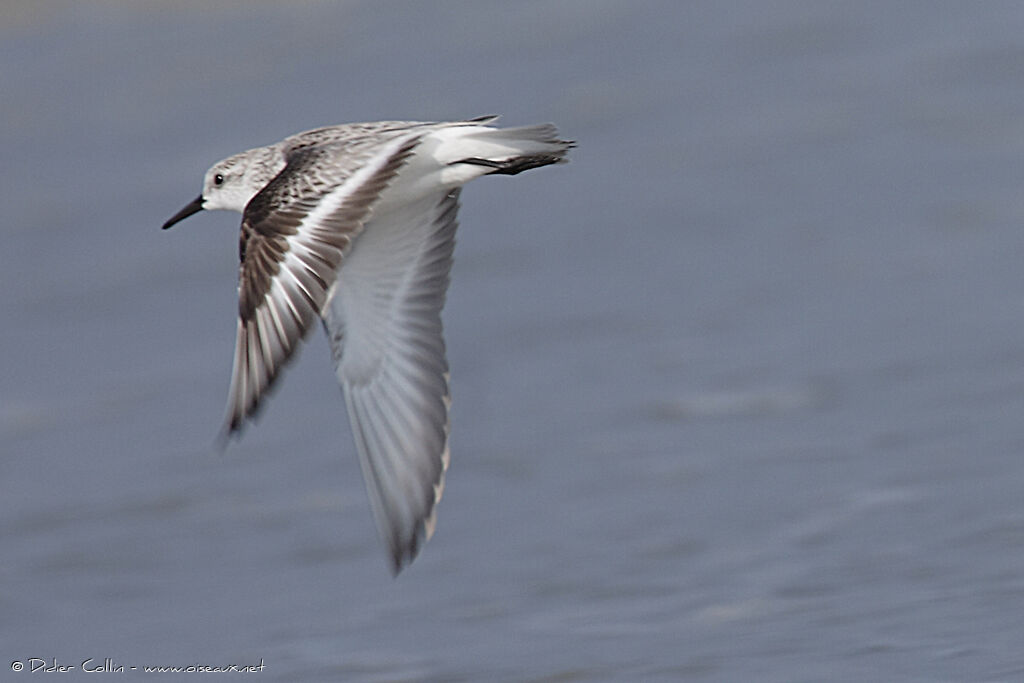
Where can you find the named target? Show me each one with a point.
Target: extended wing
(295, 233)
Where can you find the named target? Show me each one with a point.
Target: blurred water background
(738, 393)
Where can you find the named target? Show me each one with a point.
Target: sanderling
(355, 224)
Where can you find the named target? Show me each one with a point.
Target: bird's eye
(218, 179)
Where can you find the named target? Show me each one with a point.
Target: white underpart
(384, 325)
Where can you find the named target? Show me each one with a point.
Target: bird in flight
(355, 225)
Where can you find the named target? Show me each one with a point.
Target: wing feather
(295, 233)
(384, 326)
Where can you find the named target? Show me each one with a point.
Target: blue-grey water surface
(738, 392)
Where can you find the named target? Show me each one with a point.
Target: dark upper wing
(294, 235)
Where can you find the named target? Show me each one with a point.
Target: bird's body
(355, 225)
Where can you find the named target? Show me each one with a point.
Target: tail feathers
(540, 138)
(508, 151)
(515, 164)
(486, 118)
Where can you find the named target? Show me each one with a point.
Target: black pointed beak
(194, 207)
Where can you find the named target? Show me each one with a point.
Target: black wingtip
(223, 438)
(232, 429)
(399, 561)
(400, 557)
